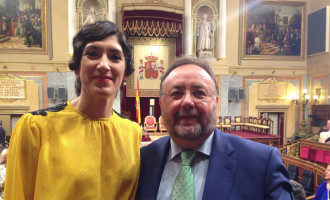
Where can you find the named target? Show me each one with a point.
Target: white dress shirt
(173, 165)
(324, 136)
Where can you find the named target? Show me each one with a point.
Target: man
(325, 135)
(226, 166)
(2, 135)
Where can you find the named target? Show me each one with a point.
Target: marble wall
(66, 80)
(229, 107)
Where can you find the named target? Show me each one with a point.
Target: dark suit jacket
(238, 169)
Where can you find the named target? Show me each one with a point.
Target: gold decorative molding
(152, 6)
(153, 1)
(146, 28)
(5, 110)
(9, 100)
(162, 48)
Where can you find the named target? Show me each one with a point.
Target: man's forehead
(189, 71)
(188, 81)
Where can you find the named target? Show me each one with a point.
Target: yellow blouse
(64, 154)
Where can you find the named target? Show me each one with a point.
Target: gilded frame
(25, 34)
(273, 30)
(149, 86)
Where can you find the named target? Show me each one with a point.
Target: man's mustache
(187, 113)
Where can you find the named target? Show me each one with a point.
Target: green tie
(184, 183)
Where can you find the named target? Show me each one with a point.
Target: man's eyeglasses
(198, 95)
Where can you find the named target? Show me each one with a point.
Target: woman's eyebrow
(115, 50)
(92, 46)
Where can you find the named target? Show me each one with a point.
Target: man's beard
(201, 128)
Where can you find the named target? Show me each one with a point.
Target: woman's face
(327, 173)
(102, 68)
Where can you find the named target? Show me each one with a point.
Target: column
(221, 46)
(112, 10)
(72, 18)
(188, 40)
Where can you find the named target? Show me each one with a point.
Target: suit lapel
(222, 169)
(156, 163)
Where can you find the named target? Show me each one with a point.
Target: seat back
(227, 120)
(161, 123)
(150, 120)
(264, 121)
(293, 172)
(259, 120)
(321, 180)
(307, 181)
(219, 120)
(238, 119)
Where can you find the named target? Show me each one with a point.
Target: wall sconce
(305, 98)
(303, 101)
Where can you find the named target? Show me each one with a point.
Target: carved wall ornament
(12, 88)
(272, 90)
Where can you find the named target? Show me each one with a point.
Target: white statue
(91, 17)
(205, 35)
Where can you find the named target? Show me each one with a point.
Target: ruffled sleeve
(22, 160)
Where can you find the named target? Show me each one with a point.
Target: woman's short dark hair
(96, 32)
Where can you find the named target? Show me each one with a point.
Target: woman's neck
(96, 108)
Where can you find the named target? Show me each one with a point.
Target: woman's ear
(124, 80)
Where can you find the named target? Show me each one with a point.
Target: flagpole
(137, 103)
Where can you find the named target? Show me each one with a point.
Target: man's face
(327, 172)
(189, 106)
(328, 124)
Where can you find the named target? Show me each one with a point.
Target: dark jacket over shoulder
(238, 169)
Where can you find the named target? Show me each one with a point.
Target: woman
(322, 192)
(81, 149)
(3, 158)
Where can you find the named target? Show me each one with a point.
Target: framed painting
(151, 58)
(23, 27)
(273, 30)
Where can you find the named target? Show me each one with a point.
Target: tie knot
(187, 157)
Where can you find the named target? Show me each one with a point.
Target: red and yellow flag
(137, 104)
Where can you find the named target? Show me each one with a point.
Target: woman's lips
(102, 78)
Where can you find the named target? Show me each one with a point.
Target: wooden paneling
(322, 112)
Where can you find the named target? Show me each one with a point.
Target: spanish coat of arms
(151, 68)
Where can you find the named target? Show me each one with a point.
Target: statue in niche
(205, 35)
(91, 17)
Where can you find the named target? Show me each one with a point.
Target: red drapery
(128, 105)
(154, 23)
(150, 23)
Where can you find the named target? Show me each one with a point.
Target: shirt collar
(204, 148)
